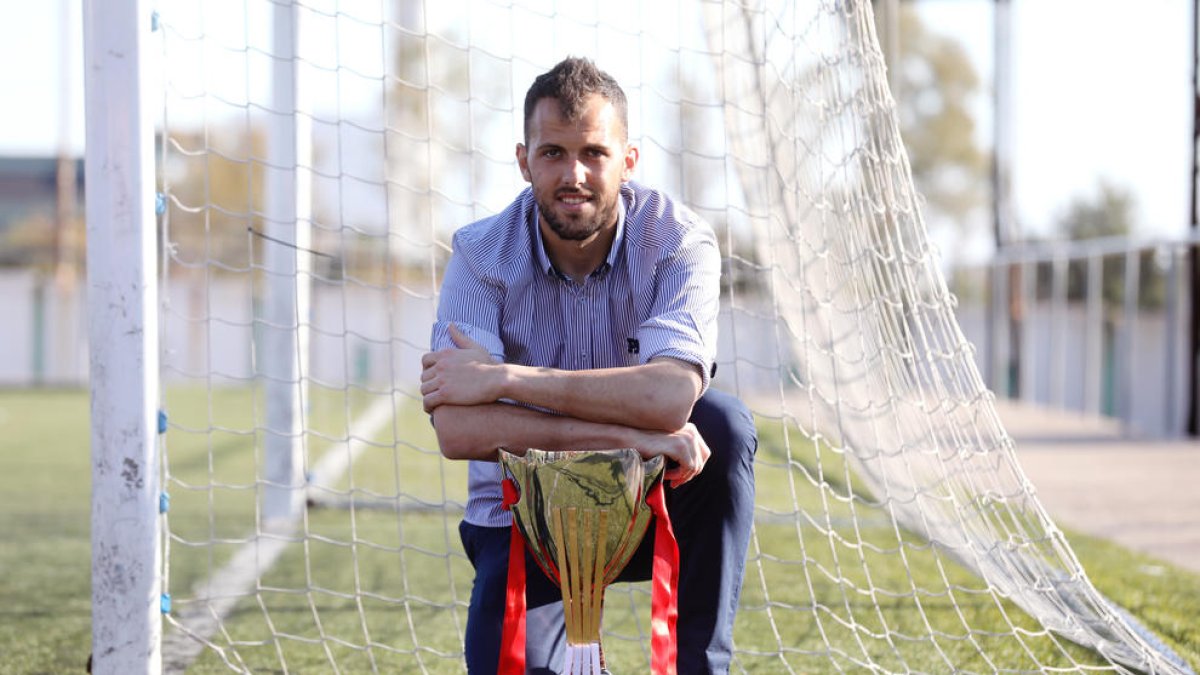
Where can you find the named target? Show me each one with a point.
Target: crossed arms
(645, 407)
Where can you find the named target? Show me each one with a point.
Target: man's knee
(727, 427)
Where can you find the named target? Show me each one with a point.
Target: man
(583, 317)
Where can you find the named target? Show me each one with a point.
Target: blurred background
(1052, 142)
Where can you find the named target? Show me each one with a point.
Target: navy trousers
(711, 515)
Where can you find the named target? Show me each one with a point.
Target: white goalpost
(122, 315)
(272, 186)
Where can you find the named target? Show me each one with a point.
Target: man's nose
(575, 173)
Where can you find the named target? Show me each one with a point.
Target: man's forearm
(477, 432)
(656, 396)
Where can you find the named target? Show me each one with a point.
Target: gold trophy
(582, 515)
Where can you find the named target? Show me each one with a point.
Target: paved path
(1144, 495)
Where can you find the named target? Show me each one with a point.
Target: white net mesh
(312, 186)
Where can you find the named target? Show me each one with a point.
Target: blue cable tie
(160, 203)
(164, 502)
(162, 421)
(154, 21)
(164, 603)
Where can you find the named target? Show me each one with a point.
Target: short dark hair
(571, 82)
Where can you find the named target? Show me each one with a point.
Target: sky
(1101, 90)
(42, 80)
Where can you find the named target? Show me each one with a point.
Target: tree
(934, 83)
(1109, 213)
(214, 180)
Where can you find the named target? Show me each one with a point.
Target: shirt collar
(609, 262)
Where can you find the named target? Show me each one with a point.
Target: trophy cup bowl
(582, 515)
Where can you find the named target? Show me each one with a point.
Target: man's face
(576, 168)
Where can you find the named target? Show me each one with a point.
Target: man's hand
(685, 449)
(462, 376)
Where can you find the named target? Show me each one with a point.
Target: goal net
(315, 157)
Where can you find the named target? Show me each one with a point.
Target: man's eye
(551, 153)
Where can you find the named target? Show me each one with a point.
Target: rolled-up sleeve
(683, 319)
(470, 302)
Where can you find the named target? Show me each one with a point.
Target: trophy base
(583, 660)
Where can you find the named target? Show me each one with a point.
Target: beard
(577, 227)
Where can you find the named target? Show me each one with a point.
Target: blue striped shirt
(655, 295)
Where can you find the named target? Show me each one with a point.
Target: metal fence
(1099, 326)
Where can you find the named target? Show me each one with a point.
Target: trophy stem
(582, 553)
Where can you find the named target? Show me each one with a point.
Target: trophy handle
(520, 472)
(652, 470)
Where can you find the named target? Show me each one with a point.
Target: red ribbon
(512, 639)
(664, 599)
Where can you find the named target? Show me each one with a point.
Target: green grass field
(368, 588)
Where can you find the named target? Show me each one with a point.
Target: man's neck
(577, 259)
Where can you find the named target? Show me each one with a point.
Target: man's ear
(523, 162)
(631, 160)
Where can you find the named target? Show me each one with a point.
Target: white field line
(195, 625)
(336, 461)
